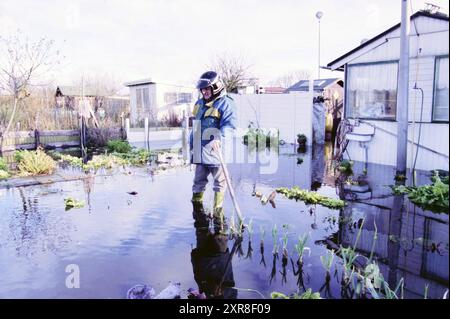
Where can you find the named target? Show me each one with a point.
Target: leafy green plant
(34, 163)
(135, 157)
(118, 146)
(432, 197)
(73, 203)
(346, 167)
(310, 197)
(260, 139)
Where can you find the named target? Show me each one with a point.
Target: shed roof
(140, 82)
(336, 63)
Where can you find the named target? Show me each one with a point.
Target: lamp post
(319, 15)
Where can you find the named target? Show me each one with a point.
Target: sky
(174, 41)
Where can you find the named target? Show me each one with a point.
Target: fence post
(185, 137)
(127, 127)
(37, 139)
(146, 139)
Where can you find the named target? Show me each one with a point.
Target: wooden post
(127, 127)
(146, 139)
(37, 139)
(185, 137)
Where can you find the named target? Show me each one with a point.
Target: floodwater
(118, 240)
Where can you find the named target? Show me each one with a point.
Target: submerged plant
(275, 239)
(73, 203)
(300, 247)
(311, 198)
(285, 241)
(308, 294)
(327, 260)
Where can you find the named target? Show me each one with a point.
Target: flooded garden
(133, 225)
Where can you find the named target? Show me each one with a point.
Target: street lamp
(319, 15)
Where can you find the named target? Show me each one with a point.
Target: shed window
(440, 107)
(170, 98)
(372, 91)
(139, 100)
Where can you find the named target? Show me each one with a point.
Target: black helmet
(210, 79)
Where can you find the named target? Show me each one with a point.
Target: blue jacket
(219, 114)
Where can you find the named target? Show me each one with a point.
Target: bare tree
(232, 69)
(22, 63)
(291, 78)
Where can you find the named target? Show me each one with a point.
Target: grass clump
(31, 163)
(311, 198)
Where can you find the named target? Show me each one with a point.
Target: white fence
(290, 113)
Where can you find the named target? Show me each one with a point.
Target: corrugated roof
(74, 91)
(319, 85)
(139, 82)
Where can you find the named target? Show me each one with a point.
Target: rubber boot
(219, 221)
(198, 213)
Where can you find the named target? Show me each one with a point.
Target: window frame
(436, 58)
(347, 88)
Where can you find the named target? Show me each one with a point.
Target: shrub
(34, 163)
(3, 165)
(118, 146)
(255, 136)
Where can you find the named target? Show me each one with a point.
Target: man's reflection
(211, 262)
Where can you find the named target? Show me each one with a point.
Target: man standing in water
(213, 125)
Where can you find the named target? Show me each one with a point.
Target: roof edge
(377, 37)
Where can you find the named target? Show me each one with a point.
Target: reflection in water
(299, 273)
(38, 237)
(261, 250)
(32, 231)
(212, 266)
